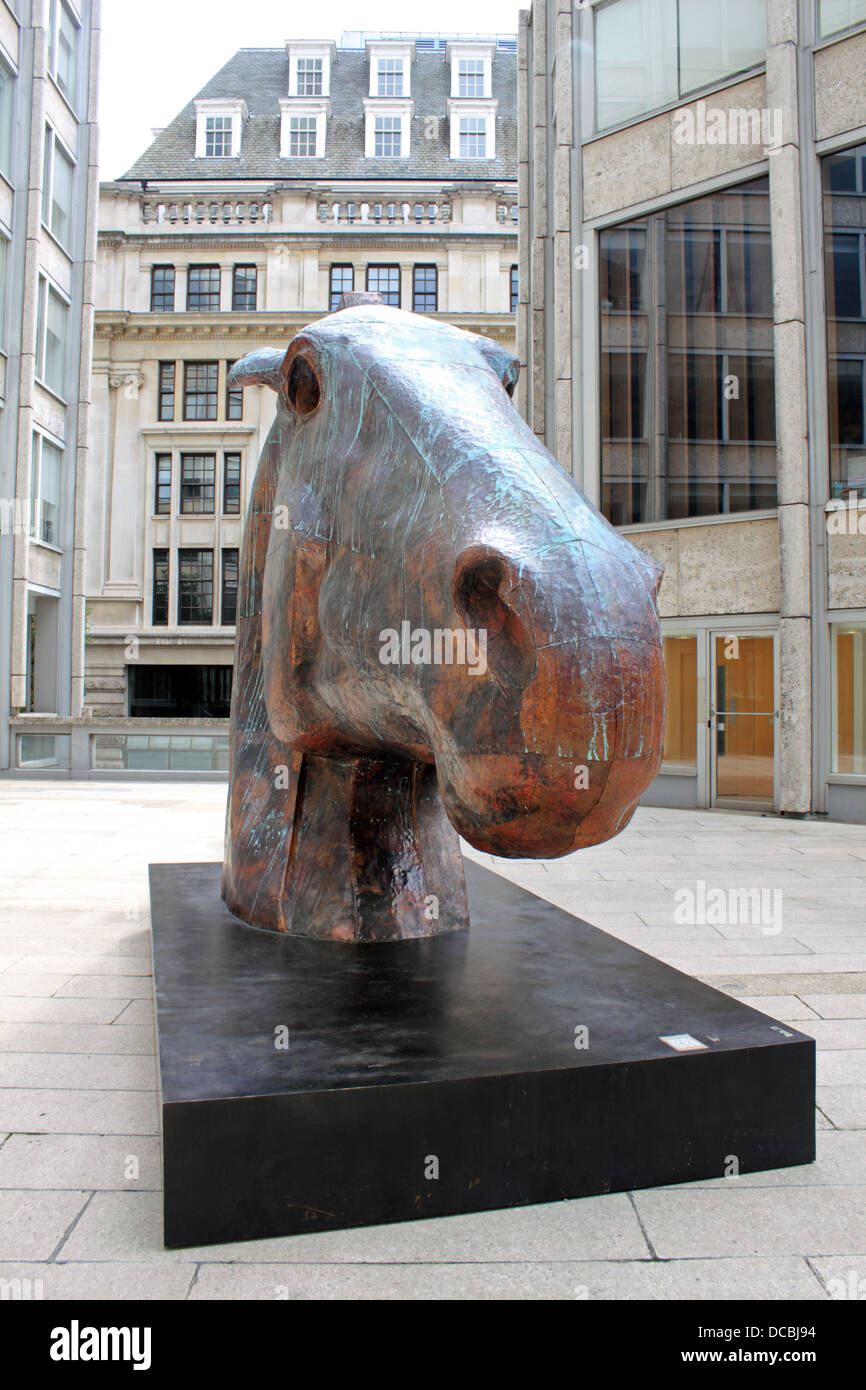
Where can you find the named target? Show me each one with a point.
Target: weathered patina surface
(437, 633)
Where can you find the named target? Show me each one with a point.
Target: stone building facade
(692, 320)
(48, 199)
(386, 163)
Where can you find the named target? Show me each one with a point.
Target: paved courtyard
(80, 1202)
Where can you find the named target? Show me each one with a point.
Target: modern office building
(692, 316)
(386, 163)
(48, 200)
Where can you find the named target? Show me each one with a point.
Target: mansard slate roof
(261, 76)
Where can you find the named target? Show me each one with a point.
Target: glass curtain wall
(687, 375)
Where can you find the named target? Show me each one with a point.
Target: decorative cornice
(303, 241)
(113, 326)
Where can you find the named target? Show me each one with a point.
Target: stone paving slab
(128, 1225)
(106, 987)
(99, 1161)
(836, 1005)
(78, 1112)
(839, 982)
(122, 1280)
(786, 965)
(80, 1071)
(836, 1033)
(784, 1006)
(24, 1010)
(136, 1012)
(102, 964)
(844, 1106)
(35, 1224)
(80, 1037)
(700, 1222)
(843, 1068)
(31, 986)
(629, 1279)
(844, 1277)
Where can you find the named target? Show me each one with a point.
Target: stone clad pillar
(794, 730)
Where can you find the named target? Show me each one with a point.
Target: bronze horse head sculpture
(437, 634)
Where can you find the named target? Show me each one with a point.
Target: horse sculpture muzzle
(437, 633)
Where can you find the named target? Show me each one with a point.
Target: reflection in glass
(681, 718)
(834, 15)
(849, 753)
(745, 730)
(716, 40)
(845, 288)
(650, 53)
(686, 312)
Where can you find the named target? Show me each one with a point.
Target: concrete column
(125, 502)
(523, 223)
(537, 83)
(795, 683)
(406, 287)
(561, 223)
(310, 280)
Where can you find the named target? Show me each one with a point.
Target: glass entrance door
(742, 721)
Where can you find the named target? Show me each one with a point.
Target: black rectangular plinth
(310, 1085)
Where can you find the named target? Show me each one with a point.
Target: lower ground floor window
(849, 751)
(179, 692)
(681, 719)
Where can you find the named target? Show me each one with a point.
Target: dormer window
(473, 137)
(471, 70)
(304, 127)
(219, 125)
(471, 106)
(218, 137)
(387, 142)
(390, 77)
(302, 137)
(310, 77)
(473, 129)
(387, 127)
(390, 68)
(310, 63)
(471, 77)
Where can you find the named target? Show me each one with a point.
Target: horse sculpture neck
(367, 853)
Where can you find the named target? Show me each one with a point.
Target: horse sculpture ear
(503, 363)
(293, 374)
(261, 368)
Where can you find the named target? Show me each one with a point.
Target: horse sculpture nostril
(487, 594)
(478, 581)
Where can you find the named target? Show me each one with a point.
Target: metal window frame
(202, 580)
(392, 269)
(209, 394)
(237, 294)
(232, 454)
(163, 270)
(339, 266)
(163, 394)
(427, 269)
(158, 509)
(207, 486)
(161, 550)
(224, 588)
(215, 274)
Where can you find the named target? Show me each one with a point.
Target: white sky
(156, 54)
